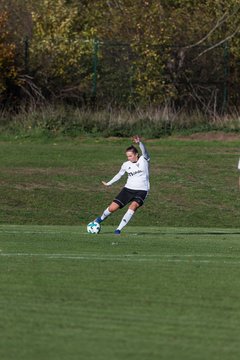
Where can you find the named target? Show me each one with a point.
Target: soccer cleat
(98, 220)
(117, 232)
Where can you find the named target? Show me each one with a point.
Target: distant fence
(121, 74)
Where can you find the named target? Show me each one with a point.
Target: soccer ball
(93, 227)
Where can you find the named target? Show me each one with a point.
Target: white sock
(126, 218)
(105, 214)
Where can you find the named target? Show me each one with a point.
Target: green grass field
(167, 288)
(58, 182)
(152, 293)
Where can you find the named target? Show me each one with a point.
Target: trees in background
(120, 52)
(8, 70)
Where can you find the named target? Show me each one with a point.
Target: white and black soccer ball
(93, 227)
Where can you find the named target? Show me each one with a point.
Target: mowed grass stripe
(192, 258)
(108, 230)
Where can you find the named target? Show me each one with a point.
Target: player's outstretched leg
(104, 215)
(109, 210)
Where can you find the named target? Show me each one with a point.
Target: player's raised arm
(143, 149)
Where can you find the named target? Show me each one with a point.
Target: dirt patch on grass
(31, 186)
(44, 171)
(209, 136)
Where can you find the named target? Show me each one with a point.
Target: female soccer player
(136, 188)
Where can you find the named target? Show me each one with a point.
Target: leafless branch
(218, 44)
(30, 88)
(226, 16)
(219, 23)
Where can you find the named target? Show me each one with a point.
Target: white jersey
(138, 172)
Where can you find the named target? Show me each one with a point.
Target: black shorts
(127, 195)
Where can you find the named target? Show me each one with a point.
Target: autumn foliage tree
(8, 71)
(124, 52)
(60, 52)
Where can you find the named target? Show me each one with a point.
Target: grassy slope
(194, 183)
(150, 294)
